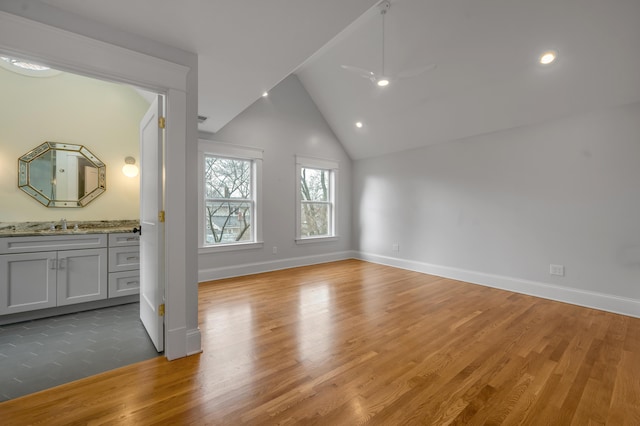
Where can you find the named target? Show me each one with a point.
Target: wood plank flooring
(352, 342)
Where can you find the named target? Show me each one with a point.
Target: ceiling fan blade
(414, 72)
(360, 71)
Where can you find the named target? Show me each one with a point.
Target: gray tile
(39, 354)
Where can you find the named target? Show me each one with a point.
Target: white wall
(102, 116)
(285, 124)
(499, 209)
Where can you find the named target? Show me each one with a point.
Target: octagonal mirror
(61, 175)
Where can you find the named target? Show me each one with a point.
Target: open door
(152, 224)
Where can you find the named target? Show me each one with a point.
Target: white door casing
(152, 229)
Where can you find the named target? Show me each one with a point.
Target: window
(229, 209)
(316, 209)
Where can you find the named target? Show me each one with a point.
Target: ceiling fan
(382, 79)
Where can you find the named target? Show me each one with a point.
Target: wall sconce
(130, 169)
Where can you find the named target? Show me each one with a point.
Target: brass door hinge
(161, 310)
(161, 122)
(161, 215)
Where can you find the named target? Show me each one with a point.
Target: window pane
(314, 220)
(314, 184)
(227, 222)
(227, 178)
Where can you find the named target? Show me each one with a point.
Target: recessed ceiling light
(265, 94)
(548, 57)
(24, 67)
(382, 82)
(359, 124)
(24, 64)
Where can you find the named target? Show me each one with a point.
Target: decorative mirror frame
(24, 164)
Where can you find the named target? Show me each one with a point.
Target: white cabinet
(124, 264)
(82, 276)
(27, 281)
(47, 271)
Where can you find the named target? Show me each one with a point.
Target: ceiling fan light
(548, 57)
(383, 82)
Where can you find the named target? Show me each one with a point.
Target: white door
(152, 229)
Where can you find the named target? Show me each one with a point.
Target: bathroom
(102, 118)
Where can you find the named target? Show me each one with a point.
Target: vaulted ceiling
(486, 76)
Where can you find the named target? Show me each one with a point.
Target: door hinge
(161, 310)
(161, 122)
(161, 215)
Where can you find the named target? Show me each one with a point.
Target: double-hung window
(316, 199)
(229, 196)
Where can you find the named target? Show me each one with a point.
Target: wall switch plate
(274, 250)
(395, 247)
(556, 270)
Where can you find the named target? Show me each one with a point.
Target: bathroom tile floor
(44, 353)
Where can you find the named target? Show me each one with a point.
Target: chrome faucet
(63, 224)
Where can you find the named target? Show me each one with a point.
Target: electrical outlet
(395, 247)
(556, 270)
(274, 250)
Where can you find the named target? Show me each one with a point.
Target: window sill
(230, 247)
(316, 240)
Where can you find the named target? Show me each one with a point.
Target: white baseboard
(175, 344)
(601, 301)
(273, 265)
(194, 341)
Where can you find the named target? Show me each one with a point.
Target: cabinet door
(82, 276)
(27, 282)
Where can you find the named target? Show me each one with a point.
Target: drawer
(125, 258)
(124, 239)
(38, 243)
(124, 283)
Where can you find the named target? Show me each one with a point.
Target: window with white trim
(229, 195)
(316, 199)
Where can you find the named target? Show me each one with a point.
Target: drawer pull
(133, 258)
(132, 239)
(132, 283)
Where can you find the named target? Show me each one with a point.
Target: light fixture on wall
(130, 169)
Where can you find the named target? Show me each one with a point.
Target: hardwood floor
(352, 342)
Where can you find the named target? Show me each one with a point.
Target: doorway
(161, 69)
(42, 353)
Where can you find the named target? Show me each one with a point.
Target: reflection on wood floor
(351, 342)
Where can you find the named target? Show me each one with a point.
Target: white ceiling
(487, 76)
(244, 47)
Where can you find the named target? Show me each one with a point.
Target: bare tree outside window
(228, 200)
(315, 202)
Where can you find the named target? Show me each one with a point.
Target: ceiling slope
(487, 76)
(244, 47)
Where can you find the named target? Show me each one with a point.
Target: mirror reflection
(61, 175)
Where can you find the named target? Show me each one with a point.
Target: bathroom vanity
(47, 272)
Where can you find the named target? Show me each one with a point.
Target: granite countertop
(22, 229)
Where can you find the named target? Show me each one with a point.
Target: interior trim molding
(86, 55)
(194, 341)
(212, 274)
(589, 299)
(175, 343)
